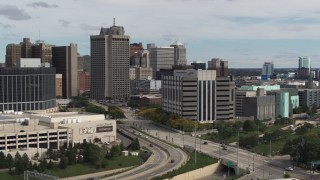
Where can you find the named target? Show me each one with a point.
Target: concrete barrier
(198, 173)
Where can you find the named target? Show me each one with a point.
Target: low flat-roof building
(24, 131)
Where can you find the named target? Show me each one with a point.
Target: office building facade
(23, 89)
(13, 53)
(304, 68)
(65, 60)
(110, 63)
(220, 66)
(180, 53)
(267, 69)
(160, 58)
(309, 97)
(199, 65)
(198, 95)
(260, 107)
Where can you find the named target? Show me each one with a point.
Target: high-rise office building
(13, 53)
(110, 63)
(43, 51)
(30, 88)
(28, 50)
(84, 63)
(198, 95)
(180, 57)
(220, 66)
(65, 60)
(267, 69)
(135, 48)
(26, 46)
(199, 65)
(160, 58)
(304, 67)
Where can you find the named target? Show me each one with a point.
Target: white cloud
(154, 21)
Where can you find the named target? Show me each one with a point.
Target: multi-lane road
(259, 166)
(164, 158)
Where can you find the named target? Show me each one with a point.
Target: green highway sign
(229, 164)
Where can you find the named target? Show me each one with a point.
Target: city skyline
(245, 33)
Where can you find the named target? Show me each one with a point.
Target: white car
(289, 169)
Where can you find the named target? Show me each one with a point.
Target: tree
(2, 160)
(18, 166)
(25, 161)
(63, 163)
(115, 151)
(71, 155)
(9, 161)
(50, 165)
(135, 145)
(249, 125)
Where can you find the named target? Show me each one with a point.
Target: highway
(160, 161)
(259, 166)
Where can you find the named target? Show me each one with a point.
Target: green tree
(43, 165)
(50, 165)
(18, 164)
(9, 161)
(2, 160)
(115, 151)
(63, 163)
(72, 155)
(135, 145)
(249, 125)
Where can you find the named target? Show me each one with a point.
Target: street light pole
(238, 155)
(195, 143)
(270, 150)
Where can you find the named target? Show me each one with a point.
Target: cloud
(5, 25)
(169, 36)
(295, 28)
(87, 27)
(42, 5)
(14, 13)
(64, 23)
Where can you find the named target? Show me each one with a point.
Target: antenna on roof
(114, 21)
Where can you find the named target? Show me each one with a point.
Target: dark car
(151, 145)
(224, 147)
(205, 143)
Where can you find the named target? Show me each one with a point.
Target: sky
(244, 32)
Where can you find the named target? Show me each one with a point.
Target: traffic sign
(229, 164)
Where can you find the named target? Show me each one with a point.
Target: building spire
(114, 21)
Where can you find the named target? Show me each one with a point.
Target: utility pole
(270, 150)
(238, 155)
(263, 168)
(195, 143)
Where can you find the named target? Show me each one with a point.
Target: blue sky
(244, 32)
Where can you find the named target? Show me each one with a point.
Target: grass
(80, 169)
(202, 161)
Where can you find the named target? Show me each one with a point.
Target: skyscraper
(65, 60)
(220, 66)
(110, 63)
(267, 68)
(43, 51)
(160, 58)
(179, 53)
(26, 46)
(13, 53)
(304, 67)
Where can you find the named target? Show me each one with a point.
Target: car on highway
(289, 169)
(151, 145)
(224, 147)
(205, 143)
